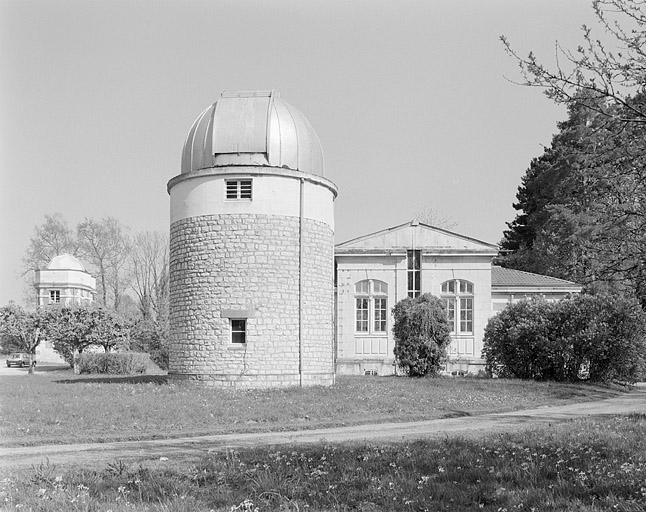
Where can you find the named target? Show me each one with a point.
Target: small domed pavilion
(64, 281)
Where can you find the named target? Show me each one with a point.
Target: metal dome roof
(65, 262)
(254, 128)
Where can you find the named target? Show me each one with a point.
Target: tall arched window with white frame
(371, 307)
(458, 298)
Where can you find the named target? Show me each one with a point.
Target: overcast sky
(411, 99)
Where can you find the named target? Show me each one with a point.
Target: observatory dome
(254, 128)
(65, 262)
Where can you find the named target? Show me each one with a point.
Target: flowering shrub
(72, 329)
(600, 338)
(422, 335)
(113, 363)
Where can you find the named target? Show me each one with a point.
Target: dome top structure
(254, 128)
(65, 262)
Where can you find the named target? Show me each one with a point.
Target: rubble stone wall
(225, 266)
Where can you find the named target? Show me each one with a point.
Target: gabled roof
(507, 278)
(415, 235)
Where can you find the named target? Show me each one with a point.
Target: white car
(19, 359)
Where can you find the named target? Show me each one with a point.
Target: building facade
(376, 271)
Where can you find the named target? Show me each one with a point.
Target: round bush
(600, 338)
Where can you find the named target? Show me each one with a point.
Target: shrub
(422, 335)
(517, 341)
(608, 335)
(601, 338)
(151, 337)
(112, 363)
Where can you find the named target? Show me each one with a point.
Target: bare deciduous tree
(106, 245)
(600, 72)
(149, 259)
(51, 238)
(434, 217)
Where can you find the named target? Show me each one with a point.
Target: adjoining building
(251, 248)
(509, 286)
(375, 271)
(65, 281)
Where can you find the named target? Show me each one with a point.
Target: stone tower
(251, 249)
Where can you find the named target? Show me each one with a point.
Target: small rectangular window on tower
(54, 296)
(238, 189)
(238, 331)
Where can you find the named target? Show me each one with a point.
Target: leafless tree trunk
(106, 245)
(149, 260)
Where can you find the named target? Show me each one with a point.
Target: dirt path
(193, 448)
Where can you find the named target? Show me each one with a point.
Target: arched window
(458, 297)
(371, 310)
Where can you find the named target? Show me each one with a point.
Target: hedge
(112, 363)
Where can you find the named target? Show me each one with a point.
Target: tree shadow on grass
(115, 379)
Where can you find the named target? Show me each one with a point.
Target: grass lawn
(581, 466)
(59, 407)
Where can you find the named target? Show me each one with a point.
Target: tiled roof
(505, 277)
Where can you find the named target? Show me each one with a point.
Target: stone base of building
(381, 366)
(462, 367)
(376, 366)
(254, 381)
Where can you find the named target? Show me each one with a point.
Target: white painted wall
(393, 270)
(75, 286)
(275, 192)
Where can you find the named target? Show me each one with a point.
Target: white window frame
(458, 296)
(371, 307)
(380, 314)
(235, 329)
(54, 296)
(414, 272)
(362, 314)
(239, 189)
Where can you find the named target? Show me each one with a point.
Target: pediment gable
(415, 235)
